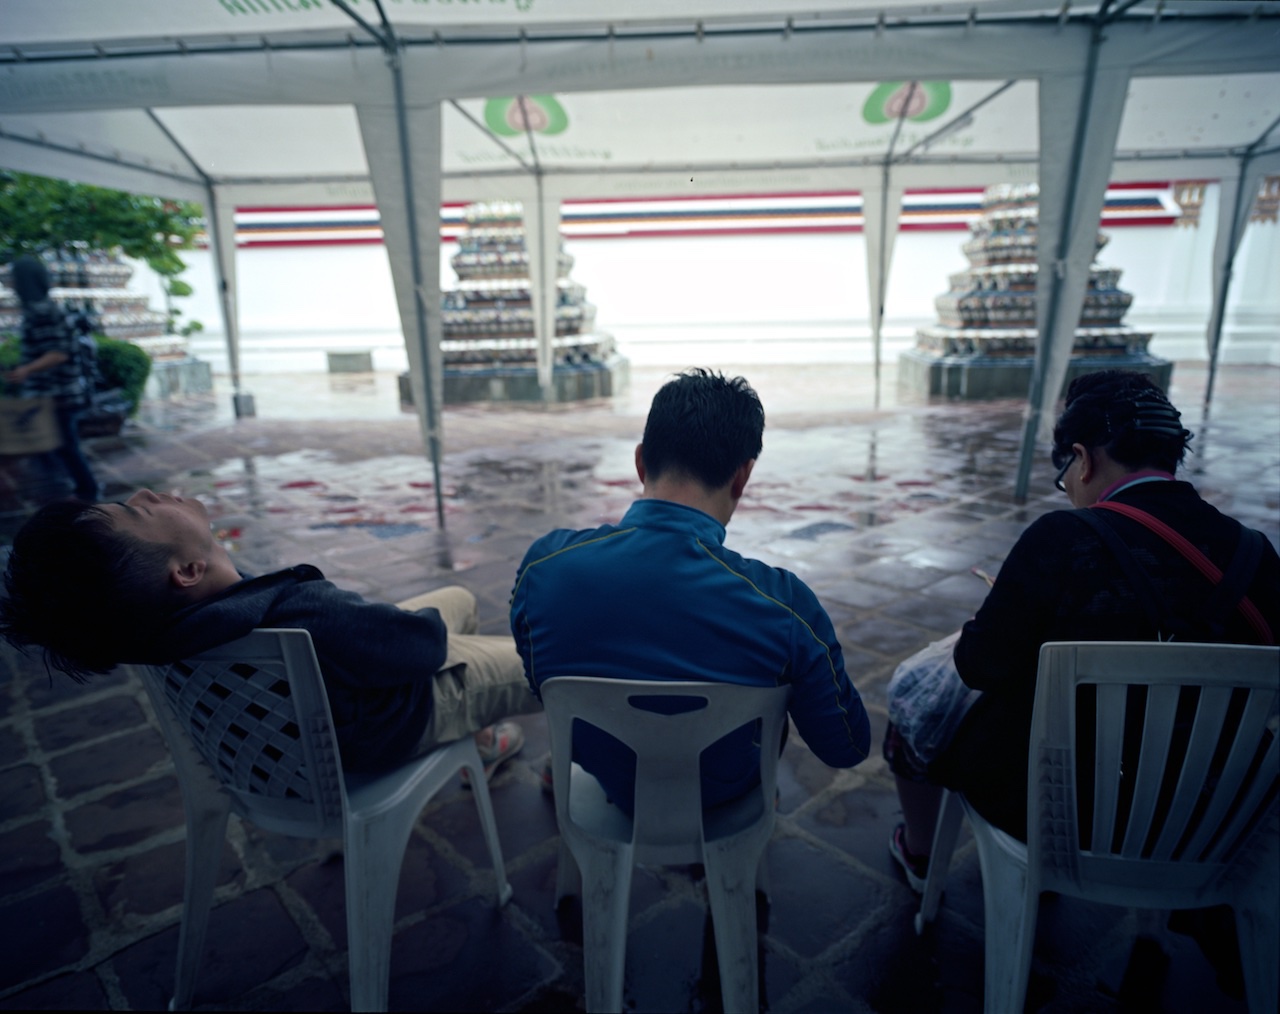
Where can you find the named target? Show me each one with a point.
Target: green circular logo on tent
(540, 113)
(893, 99)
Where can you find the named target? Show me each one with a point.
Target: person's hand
(18, 375)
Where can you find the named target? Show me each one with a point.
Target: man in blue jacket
(658, 596)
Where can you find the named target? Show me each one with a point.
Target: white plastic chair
(249, 727)
(1180, 830)
(600, 843)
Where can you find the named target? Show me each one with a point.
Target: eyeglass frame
(1055, 455)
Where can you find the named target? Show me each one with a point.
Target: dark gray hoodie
(377, 660)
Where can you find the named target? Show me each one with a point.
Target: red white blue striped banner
(925, 210)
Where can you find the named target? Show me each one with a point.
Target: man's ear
(185, 576)
(640, 462)
(740, 478)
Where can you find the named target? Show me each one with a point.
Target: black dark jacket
(1061, 583)
(377, 660)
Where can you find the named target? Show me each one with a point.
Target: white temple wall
(728, 299)
(1254, 322)
(1167, 270)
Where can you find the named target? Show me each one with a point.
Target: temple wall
(732, 299)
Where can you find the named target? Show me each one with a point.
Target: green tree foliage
(38, 213)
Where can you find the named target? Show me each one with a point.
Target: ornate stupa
(488, 343)
(984, 343)
(96, 283)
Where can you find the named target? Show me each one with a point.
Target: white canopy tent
(270, 102)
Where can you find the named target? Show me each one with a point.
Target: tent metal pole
(491, 136)
(391, 46)
(1040, 369)
(880, 275)
(241, 403)
(878, 310)
(415, 260)
(546, 339)
(544, 361)
(44, 144)
(1220, 305)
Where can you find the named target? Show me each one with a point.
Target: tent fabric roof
(258, 102)
(70, 27)
(260, 95)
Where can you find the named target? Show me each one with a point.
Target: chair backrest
(1154, 770)
(255, 710)
(667, 822)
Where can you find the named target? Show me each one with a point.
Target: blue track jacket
(658, 596)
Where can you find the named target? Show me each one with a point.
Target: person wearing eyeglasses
(1105, 571)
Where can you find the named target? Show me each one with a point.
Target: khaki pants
(482, 680)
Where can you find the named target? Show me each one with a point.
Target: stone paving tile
(914, 974)
(851, 821)
(78, 991)
(883, 512)
(125, 817)
(855, 593)
(149, 883)
(926, 611)
(814, 913)
(505, 966)
(959, 590)
(21, 789)
(73, 725)
(251, 939)
(114, 759)
(28, 856)
(667, 957)
(885, 636)
(312, 992)
(52, 934)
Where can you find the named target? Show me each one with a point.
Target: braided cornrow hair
(1125, 414)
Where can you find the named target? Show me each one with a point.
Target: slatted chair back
(255, 709)
(1156, 767)
(1153, 782)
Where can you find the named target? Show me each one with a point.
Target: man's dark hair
(81, 590)
(1127, 415)
(702, 425)
(29, 278)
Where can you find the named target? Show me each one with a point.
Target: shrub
(121, 363)
(10, 352)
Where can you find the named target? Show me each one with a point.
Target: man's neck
(690, 493)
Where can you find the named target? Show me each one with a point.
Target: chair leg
(731, 889)
(480, 790)
(945, 833)
(606, 901)
(1259, 942)
(1010, 902)
(374, 855)
(206, 832)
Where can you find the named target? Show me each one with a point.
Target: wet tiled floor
(883, 511)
